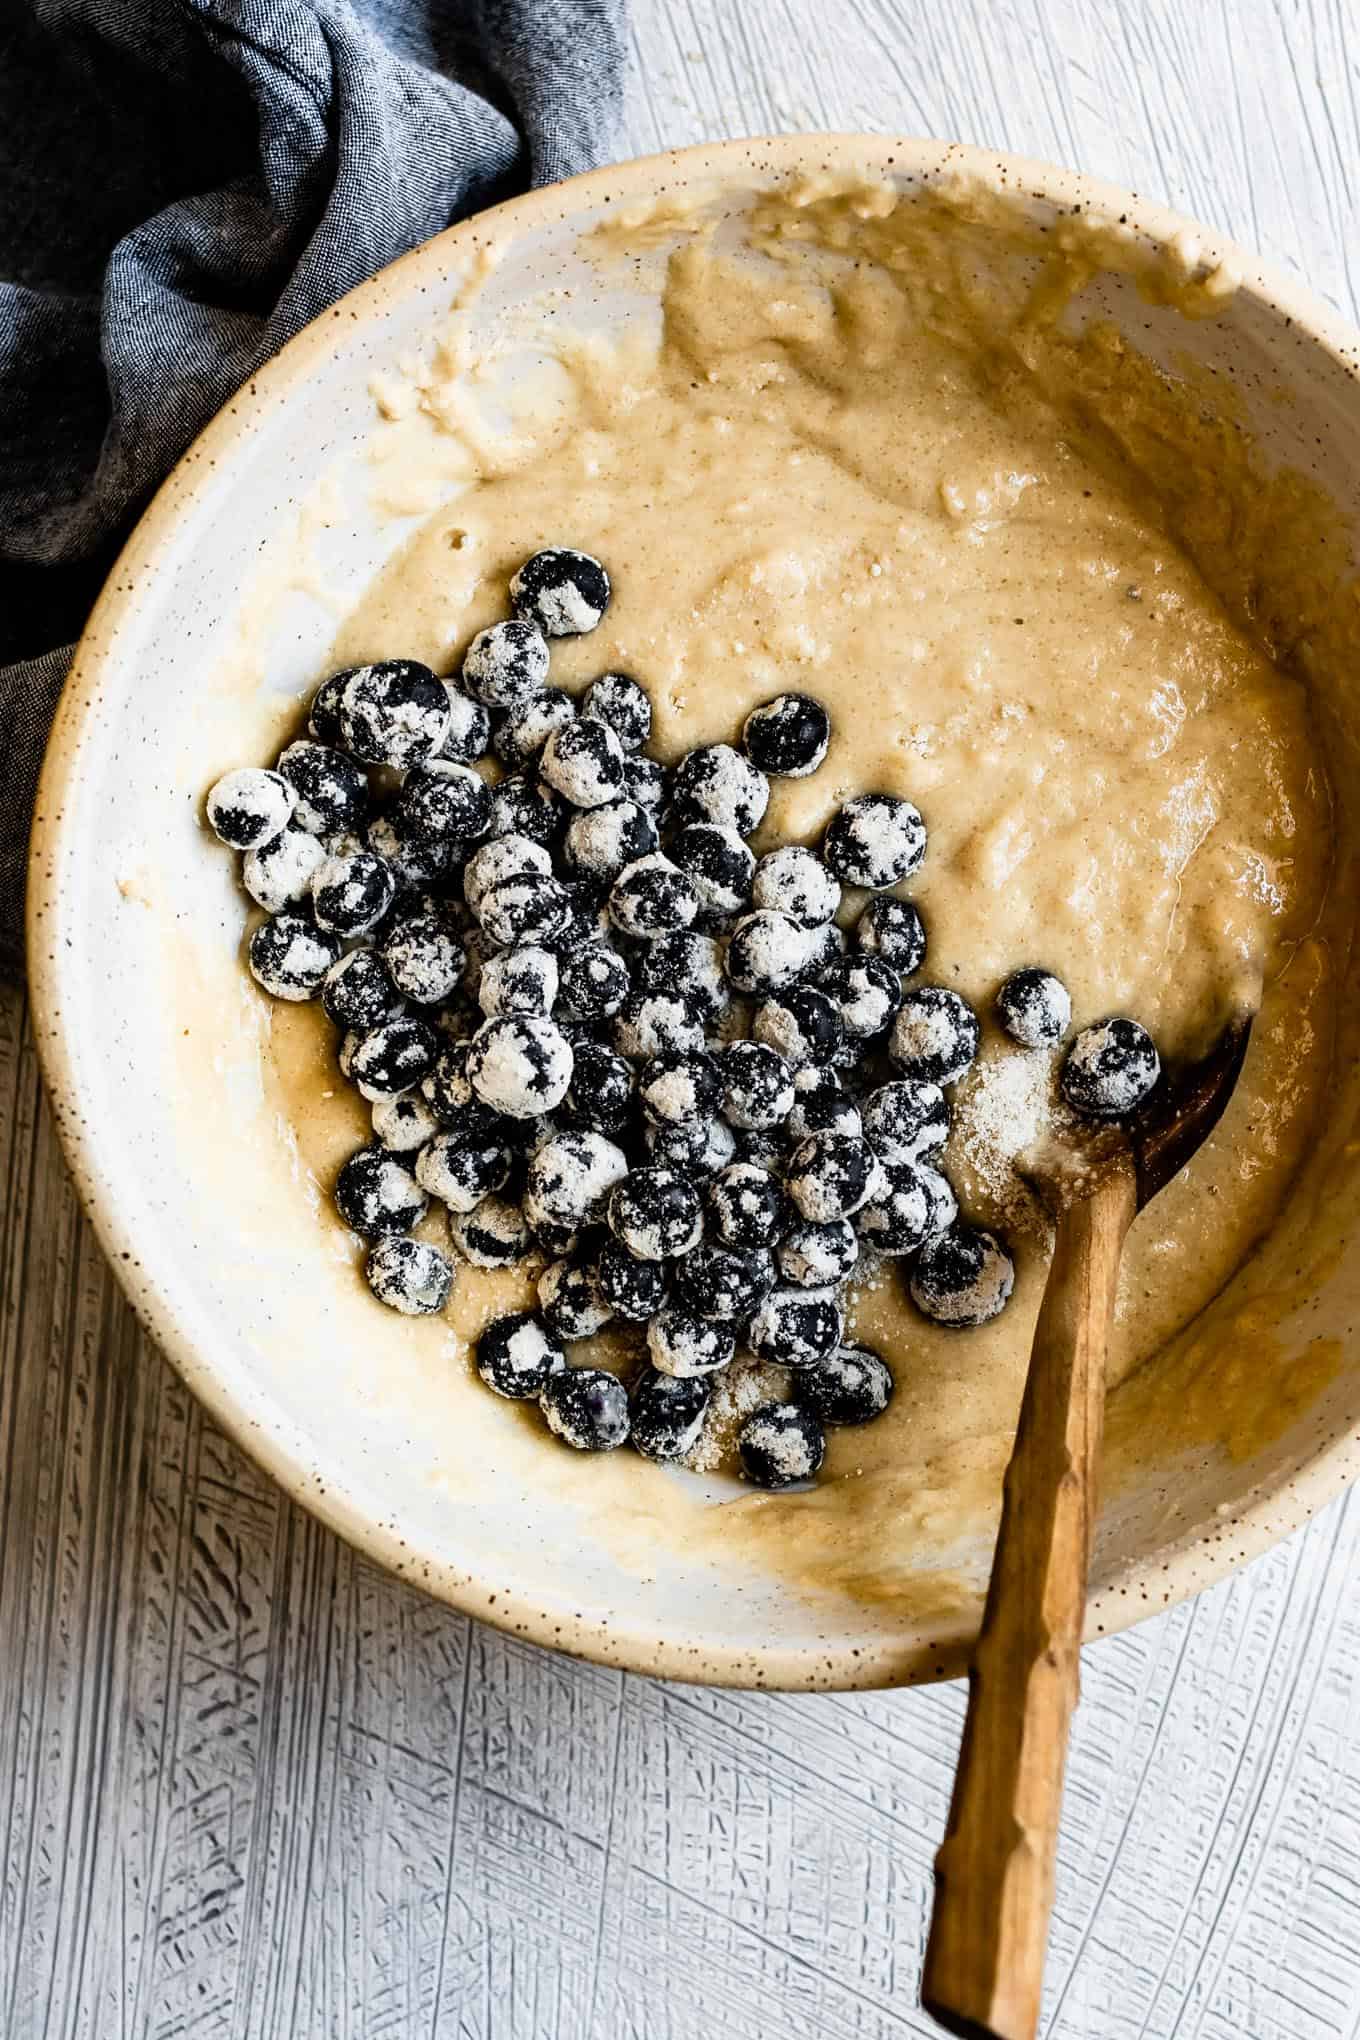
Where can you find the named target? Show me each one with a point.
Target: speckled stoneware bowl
(149, 1034)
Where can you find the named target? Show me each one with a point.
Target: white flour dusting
(1005, 1109)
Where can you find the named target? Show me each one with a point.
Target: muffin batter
(836, 475)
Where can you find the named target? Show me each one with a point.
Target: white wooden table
(251, 1789)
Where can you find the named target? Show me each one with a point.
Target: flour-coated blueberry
(409, 1276)
(394, 712)
(290, 955)
(250, 806)
(516, 1355)
(935, 1035)
(506, 664)
(377, 1195)
(565, 592)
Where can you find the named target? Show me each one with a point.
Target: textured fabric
(185, 183)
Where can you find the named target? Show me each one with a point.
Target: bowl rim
(1141, 1587)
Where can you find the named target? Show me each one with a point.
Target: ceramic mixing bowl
(198, 655)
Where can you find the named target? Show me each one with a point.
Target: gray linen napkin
(183, 184)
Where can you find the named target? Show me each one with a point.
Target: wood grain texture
(995, 1868)
(253, 1790)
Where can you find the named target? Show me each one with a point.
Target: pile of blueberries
(594, 1025)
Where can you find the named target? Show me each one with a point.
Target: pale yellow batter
(852, 483)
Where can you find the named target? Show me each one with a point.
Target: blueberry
(649, 1024)
(506, 664)
(825, 944)
(656, 1214)
(892, 930)
(944, 1205)
(520, 1065)
(517, 1355)
(679, 1088)
(935, 1035)
(593, 982)
(652, 897)
(645, 780)
(583, 761)
(720, 865)
(875, 840)
(685, 1347)
(415, 864)
(601, 841)
(688, 963)
(781, 1445)
(468, 737)
(587, 1409)
(746, 1206)
(961, 1278)
(290, 956)
(572, 1301)
(1110, 1069)
(795, 882)
(279, 873)
(601, 1091)
(323, 721)
(393, 713)
(716, 784)
(502, 858)
(332, 791)
(522, 732)
(521, 980)
(449, 1094)
(377, 1195)
(633, 1289)
(250, 806)
(569, 1182)
(820, 1105)
(850, 1386)
(358, 992)
(459, 1173)
(802, 1023)
(896, 1219)
(565, 592)
(787, 737)
(440, 803)
(525, 807)
(757, 1085)
(425, 957)
(767, 952)
(403, 1124)
(830, 1175)
(495, 1235)
(409, 1276)
(765, 1147)
(725, 1284)
(528, 909)
(795, 1327)
(867, 993)
(352, 892)
(699, 1146)
(906, 1121)
(394, 1058)
(668, 1413)
(1034, 1007)
(818, 1256)
(617, 699)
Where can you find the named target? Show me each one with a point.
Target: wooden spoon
(994, 1871)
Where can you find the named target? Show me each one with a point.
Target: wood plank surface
(251, 1789)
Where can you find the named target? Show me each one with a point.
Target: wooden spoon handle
(994, 1872)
